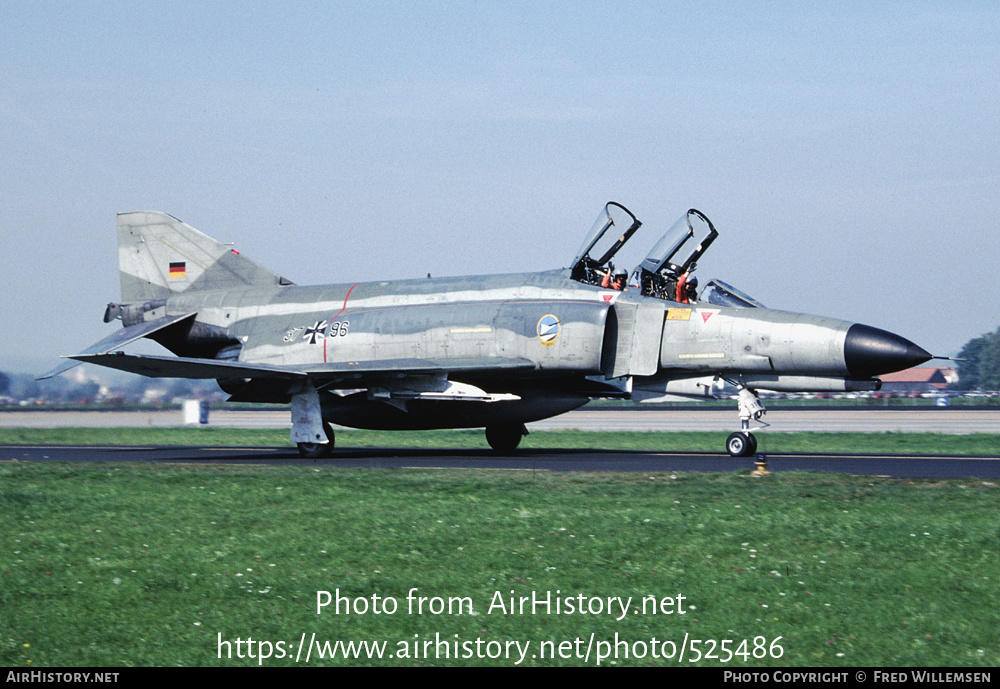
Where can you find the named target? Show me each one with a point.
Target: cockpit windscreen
(721, 294)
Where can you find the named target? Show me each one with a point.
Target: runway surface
(894, 466)
(928, 419)
(954, 420)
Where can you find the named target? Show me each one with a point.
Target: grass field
(118, 565)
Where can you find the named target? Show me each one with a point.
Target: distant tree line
(980, 365)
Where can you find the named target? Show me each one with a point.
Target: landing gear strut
(742, 443)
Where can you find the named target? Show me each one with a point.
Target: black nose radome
(869, 351)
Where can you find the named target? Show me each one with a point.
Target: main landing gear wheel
(741, 444)
(318, 450)
(505, 437)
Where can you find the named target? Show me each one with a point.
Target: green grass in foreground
(891, 443)
(117, 565)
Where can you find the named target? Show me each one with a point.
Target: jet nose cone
(869, 351)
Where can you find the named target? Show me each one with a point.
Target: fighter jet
(465, 352)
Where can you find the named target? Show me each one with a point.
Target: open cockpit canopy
(593, 261)
(665, 269)
(682, 245)
(675, 256)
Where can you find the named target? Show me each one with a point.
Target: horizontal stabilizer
(117, 339)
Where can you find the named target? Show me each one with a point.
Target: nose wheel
(741, 444)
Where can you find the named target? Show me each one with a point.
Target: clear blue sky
(847, 152)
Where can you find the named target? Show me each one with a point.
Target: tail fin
(158, 256)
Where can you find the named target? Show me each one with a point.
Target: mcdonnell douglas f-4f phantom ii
(465, 352)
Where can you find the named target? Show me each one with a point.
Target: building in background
(918, 381)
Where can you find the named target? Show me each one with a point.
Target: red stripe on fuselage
(344, 308)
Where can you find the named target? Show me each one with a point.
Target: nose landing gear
(742, 443)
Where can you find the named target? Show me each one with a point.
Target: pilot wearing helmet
(614, 279)
(687, 289)
(619, 280)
